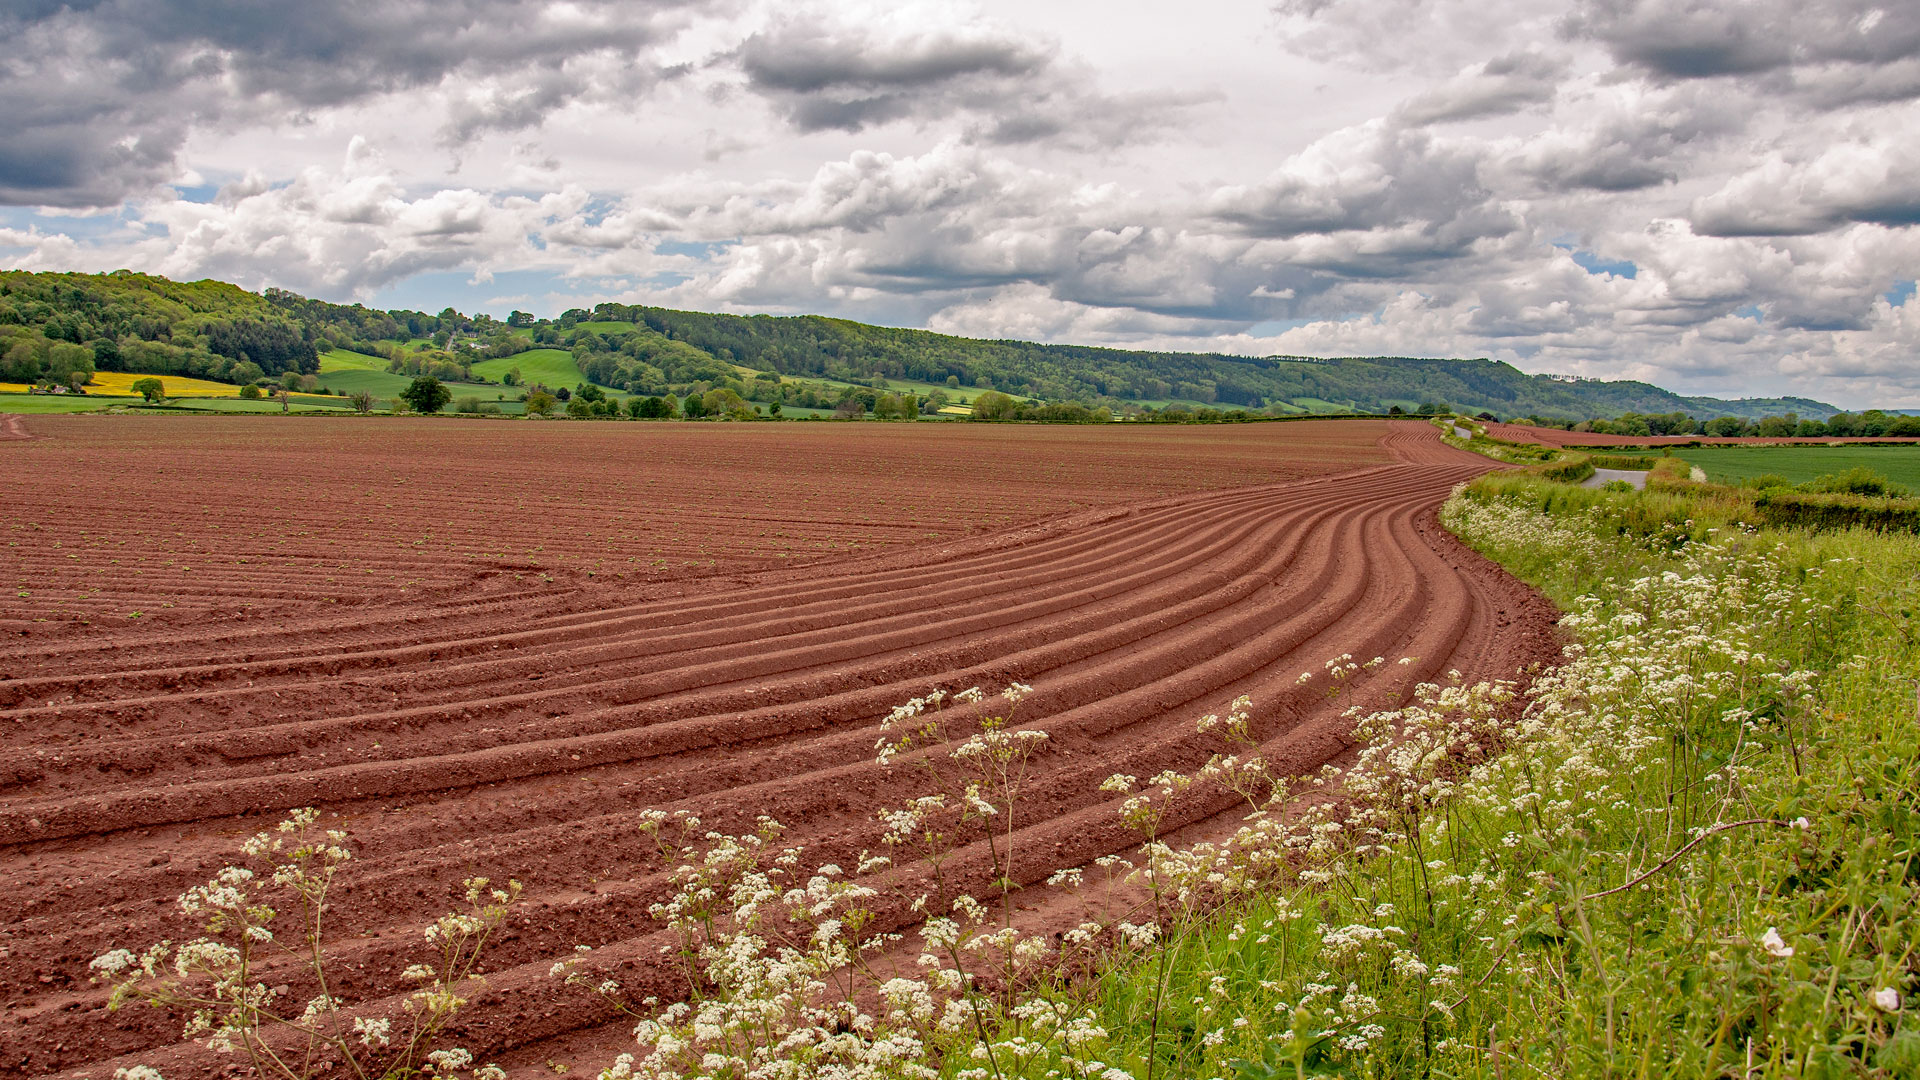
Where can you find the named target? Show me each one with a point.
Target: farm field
(486, 649)
(1554, 437)
(1799, 464)
(121, 383)
(553, 367)
(45, 404)
(346, 372)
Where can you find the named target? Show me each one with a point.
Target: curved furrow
(498, 762)
(1043, 571)
(93, 758)
(763, 698)
(544, 632)
(762, 638)
(788, 799)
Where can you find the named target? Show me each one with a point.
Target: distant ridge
(144, 323)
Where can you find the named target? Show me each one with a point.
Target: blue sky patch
(1597, 265)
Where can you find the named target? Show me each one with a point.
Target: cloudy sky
(1721, 197)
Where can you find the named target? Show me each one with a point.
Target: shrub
(467, 405)
(1858, 480)
(251, 391)
(1571, 471)
(652, 408)
(540, 403)
(1777, 506)
(1622, 461)
(361, 400)
(994, 405)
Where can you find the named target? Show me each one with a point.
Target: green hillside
(548, 367)
(54, 327)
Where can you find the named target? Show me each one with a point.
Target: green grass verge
(296, 403)
(1799, 464)
(1697, 856)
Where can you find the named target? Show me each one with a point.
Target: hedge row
(1822, 511)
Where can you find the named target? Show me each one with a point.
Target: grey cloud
(1632, 141)
(1694, 39)
(1687, 38)
(1850, 183)
(1428, 37)
(1835, 86)
(1503, 85)
(822, 74)
(1424, 196)
(116, 85)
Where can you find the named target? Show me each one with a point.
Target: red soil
(506, 695)
(1554, 437)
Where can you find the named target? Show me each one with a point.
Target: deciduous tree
(427, 395)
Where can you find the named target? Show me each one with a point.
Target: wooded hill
(812, 345)
(52, 325)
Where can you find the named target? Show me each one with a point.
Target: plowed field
(486, 648)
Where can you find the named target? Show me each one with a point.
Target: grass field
(14, 401)
(1799, 464)
(553, 367)
(348, 373)
(298, 403)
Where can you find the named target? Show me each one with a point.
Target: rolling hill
(54, 323)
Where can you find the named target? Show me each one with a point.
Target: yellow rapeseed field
(110, 383)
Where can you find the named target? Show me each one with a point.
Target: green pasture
(295, 402)
(552, 367)
(349, 373)
(48, 404)
(1152, 403)
(1799, 464)
(346, 372)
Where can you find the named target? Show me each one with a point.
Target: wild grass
(1691, 855)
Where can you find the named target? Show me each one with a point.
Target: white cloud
(1374, 176)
